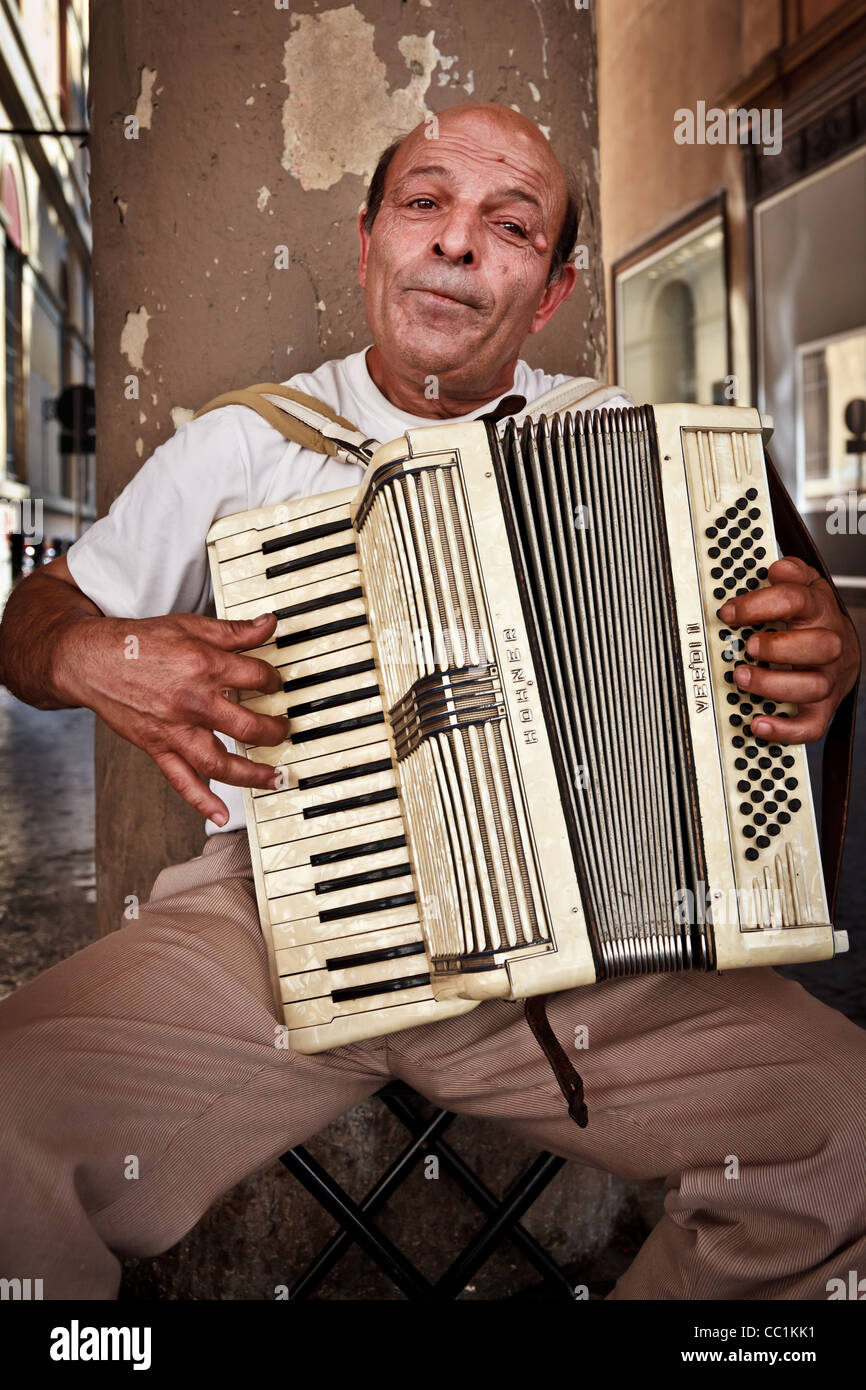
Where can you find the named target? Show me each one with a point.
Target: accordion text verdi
(518, 761)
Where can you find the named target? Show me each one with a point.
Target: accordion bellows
(518, 761)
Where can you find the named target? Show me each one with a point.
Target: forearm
(41, 623)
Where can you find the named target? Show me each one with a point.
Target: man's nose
(458, 240)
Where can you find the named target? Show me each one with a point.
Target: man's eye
(513, 226)
(414, 202)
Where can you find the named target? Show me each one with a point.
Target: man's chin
(434, 350)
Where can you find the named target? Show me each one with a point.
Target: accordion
(518, 761)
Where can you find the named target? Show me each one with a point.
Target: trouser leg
(742, 1091)
(153, 1052)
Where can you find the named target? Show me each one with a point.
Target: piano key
(309, 557)
(284, 700)
(334, 823)
(347, 903)
(300, 540)
(296, 671)
(336, 856)
(288, 853)
(341, 733)
(306, 877)
(245, 532)
(286, 580)
(322, 954)
(316, 1012)
(349, 648)
(311, 533)
(311, 772)
(359, 982)
(357, 907)
(307, 829)
(304, 931)
(298, 596)
(382, 986)
(309, 971)
(347, 622)
(314, 728)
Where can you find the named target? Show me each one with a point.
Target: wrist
(73, 643)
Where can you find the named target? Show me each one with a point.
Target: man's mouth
(441, 297)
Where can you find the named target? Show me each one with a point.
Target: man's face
(455, 267)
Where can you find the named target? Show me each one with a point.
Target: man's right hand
(165, 692)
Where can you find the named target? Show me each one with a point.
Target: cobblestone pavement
(47, 885)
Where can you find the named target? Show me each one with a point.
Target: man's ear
(364, 239)
(553, 296)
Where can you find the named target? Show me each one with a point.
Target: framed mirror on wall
(671, 322)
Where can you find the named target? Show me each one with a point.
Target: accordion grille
(457, 768)
(583, 506)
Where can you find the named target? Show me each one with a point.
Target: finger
(791, 568)
(809, 646)
(204, 752)
(230, 634)
(178, 773)
(786, 602)
(247, 725)
(248, 673)
(806, 726)
(797, 687)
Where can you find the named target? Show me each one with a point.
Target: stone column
(232, 143)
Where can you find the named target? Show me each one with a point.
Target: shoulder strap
(795, 539)
(582, 391)
(301, 418)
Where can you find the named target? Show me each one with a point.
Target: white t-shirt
(148, 556)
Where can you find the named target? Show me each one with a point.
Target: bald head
(477, 119)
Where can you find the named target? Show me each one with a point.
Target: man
(158, 1041)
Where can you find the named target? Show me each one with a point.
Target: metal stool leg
(356, 1225)
(517, 1200)
(377, 1245)
(386, 1186)
(472, 1185)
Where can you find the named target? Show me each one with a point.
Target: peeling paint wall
(231, 148)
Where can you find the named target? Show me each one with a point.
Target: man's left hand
(819, 650)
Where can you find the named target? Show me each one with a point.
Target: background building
(46, 319)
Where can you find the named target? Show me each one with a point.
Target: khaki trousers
(158, 1041)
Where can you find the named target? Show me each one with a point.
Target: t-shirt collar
(367, 392)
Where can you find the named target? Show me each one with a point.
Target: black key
(344, 697)
(351, 803)
(412, 948)
(312, 533)
(337, 774)
(336, 673)
(313, 605)
(336, 856)
(339, 996)
(342, 726)
(333, 885)
(305, 562)
(335, 914)
(309, 634)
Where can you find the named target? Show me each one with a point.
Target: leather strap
(570, 1080)
(301, 418)
(795, 539)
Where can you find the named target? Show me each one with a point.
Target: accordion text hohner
(517, 759)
